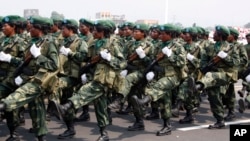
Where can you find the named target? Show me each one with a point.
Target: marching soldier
(108, 60)
(36, 75)
(218, 64)
(164, 77)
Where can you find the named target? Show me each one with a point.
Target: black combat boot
(138, 125)
(104, 135)
(188, 118)
(117, 102)
(85, 114)
(58, 110)
(21, 116)
(166, 130)
(70, 132)
(13, 135)
(140, 102)
(218, 125)
(125, 111)
(2, 116)
(41, 138)
(230, 116)
(154, 114)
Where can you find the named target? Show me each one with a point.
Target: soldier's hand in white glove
(105, 55)
(124, 73)
(84, 78)
(247, 78)
(18, 80)
(65, 51)
(35, 51)
(140, 52)
(5, 57)
(190, 57)
(167, 51)
(222, 54)
(150, 76)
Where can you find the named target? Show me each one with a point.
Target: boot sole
(168, 133)
(139, 129)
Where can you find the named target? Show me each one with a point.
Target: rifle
(212, 63)
(28, 58)
(159, 57)
(134, 55)
(94, 60)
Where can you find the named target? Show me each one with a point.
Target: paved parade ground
(88, 131)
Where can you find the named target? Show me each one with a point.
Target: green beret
(206, 32)
(156, 27)
(103, 23)
(86, 22)
(129, 24)
(41, 21)
(168, 27)
(222, 29)
(178, 29)
(70, 22)
(141, 26)
(120, 26)
(57, 18)
(112, 24)
(200, 30)
(191, 30)
(11, 19)
(233, 31)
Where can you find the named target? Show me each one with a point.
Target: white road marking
(206, 126)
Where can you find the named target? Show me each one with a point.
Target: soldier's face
(138, 35)
(8, 30)
(98, 35)
(65, 31)
(127, 31)
(187, 37)
(83, 29)
(154, 34)
(34, 32)
(216, 36)
(164, 36)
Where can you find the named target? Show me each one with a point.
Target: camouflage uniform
(230, 97)
(224, 73)
(37, 76)
(104, 75)
(168, 74)
(14, 46)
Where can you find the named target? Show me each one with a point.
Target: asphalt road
(89, 131)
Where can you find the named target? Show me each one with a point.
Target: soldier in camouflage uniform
(193, 64)
(154, 34)
(244, 101)
(12, 50)
(164, 77)
(85, 28)
(36, 77)
(230, 97)
(138, 57)
(71, 54)
(215, 80)
(56, 32)
(1, 26)
(109, 61)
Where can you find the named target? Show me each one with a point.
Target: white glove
(190, 57)
(140, 52)
(35, 51)
(65, 51)
(105, 55)
(248, 78)
(150, 76)
(84, 78)
(124, 73)
(5, 57)
(18, 80)
(222, 54)
(167, 51)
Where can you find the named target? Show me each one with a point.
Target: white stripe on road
(206, 126)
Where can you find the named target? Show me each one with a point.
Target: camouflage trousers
(229, 98)
(91, 92)
(216, 84)
(190, 100)
(31, 94)
(12, 117)
(161, 91)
